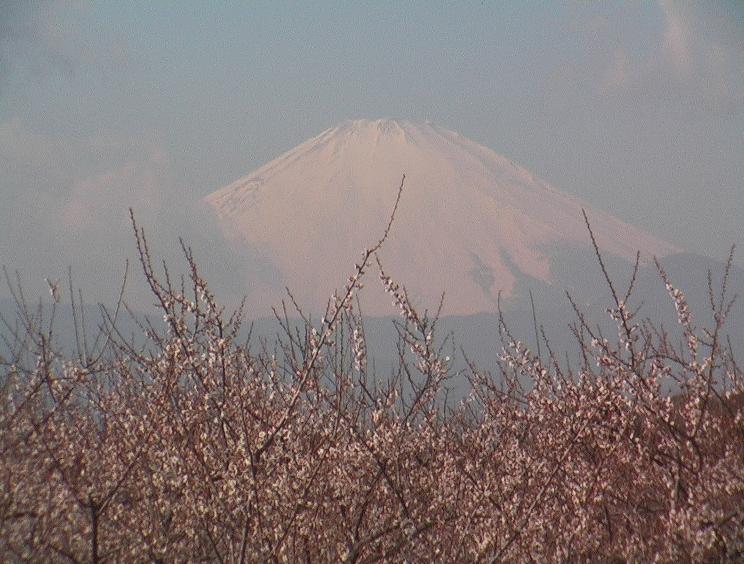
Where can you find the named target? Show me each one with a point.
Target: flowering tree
(191, 445)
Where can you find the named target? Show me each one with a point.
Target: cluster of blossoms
(359, 348)
(193, 447)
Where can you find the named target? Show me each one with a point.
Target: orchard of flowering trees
(191, 445)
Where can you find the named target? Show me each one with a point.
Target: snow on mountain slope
(470, 222)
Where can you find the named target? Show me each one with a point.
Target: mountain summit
(471, 223)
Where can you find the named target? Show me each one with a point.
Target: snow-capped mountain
(471, 223)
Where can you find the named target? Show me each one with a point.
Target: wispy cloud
(43, 39)
(96, 201)
(67, 203)
(696, 58)
(676, 38)
(618, 72)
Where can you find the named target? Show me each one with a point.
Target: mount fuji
(471, 223)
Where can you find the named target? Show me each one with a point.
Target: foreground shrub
(191, 446)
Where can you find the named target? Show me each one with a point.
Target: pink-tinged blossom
(191, 446)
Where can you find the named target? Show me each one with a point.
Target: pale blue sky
(637, 107)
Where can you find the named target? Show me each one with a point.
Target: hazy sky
(637, 107)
